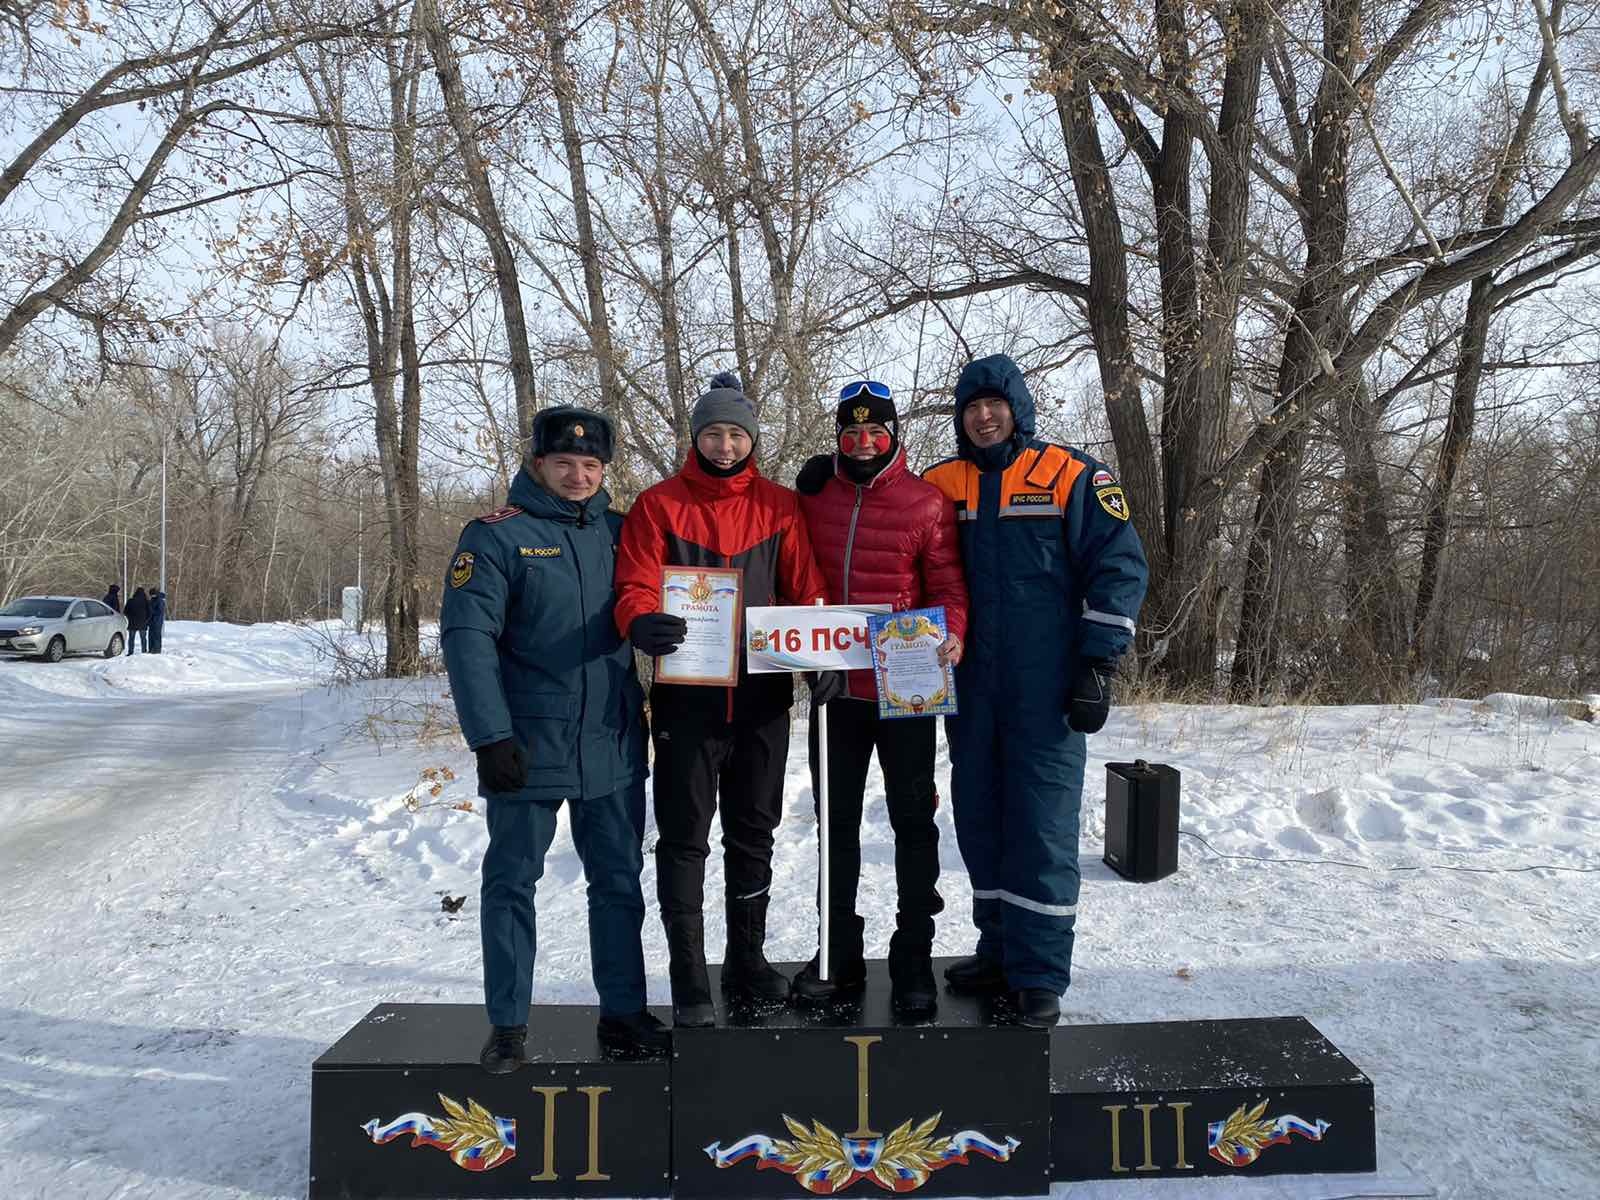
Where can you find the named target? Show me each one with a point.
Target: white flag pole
(822, 837)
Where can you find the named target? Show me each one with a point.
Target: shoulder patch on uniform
(540, 551)
(499, 514)
(1102, 478)
(461, 569)
(1113, 501)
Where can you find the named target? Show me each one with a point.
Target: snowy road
(86, 794)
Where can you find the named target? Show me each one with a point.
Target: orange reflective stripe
(1053, 470)
(958, 480)
(1047, 464)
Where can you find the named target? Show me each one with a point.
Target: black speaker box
(1142, 820)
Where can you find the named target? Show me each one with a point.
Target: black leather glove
(501, 767)
(1090, 701)
(657, 633)
(816, 472)
(827, 685)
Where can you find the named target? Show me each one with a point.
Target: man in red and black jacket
(718, 511)
(882, 536)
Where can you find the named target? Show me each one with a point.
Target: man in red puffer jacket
(881, 535)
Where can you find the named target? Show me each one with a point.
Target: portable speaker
(1142, 820)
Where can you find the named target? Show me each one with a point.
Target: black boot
(746, 973)
(976, 976)
(1038, 1007)
(847, 968)
(506, 1049)
(912, 991)
(691, 986)
(636, 1035)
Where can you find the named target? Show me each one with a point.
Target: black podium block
(780, 1103)
(1186, 1098)
(400, 1107)
(1142, 820)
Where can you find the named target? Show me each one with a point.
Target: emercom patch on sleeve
(461, 569)
(1113, 501)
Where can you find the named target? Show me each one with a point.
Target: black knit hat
(725, 402)
(568, 429)
(867, 401)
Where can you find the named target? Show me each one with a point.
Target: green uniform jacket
(532, 649)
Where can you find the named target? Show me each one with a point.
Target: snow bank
(205, 656)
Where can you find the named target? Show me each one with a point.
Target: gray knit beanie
(727, 402)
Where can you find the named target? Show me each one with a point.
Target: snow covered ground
(210, 867)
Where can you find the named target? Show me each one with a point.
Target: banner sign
(817, 637)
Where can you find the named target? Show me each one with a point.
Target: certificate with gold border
(905, 660)
(710, 601)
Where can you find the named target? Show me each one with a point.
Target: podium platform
(791, 1102)
(1269, 1096)
(401, 1108)
(825, 1100)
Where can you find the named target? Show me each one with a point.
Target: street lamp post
(163, 586)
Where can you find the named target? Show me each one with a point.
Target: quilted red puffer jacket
(892, 541)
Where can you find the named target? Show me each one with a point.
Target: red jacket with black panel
(696, 519)
(891, 541)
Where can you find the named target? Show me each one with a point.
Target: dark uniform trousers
(705, 765)
(905, 749)
(608, 832)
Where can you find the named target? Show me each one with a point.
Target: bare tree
(181, 72)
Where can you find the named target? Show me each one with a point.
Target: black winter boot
(746, 973)
(1038, 1007)
(506, 1049)
(912, 991)
(847, 969)
(976, 976)
(637, 1035)
(691, 985)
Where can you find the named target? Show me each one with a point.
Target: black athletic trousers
(702, 766)
(905, 749)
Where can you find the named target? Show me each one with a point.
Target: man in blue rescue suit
(1055, 575)
(551, 704)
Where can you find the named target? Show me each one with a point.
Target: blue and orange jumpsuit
(1055, 575)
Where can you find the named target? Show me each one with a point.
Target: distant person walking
(138, 614)
(158, 618)
(113, 598)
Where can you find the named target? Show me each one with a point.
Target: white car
(53, 627)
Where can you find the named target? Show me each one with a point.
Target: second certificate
(709, 601)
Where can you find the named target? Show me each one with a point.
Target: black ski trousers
(703, 766)
(905, 749)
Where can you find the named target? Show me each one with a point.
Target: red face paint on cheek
(878, 443)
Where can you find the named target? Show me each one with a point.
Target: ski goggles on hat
(870, 386)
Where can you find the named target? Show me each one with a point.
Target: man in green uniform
(548, 699)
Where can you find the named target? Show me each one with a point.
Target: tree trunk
(1108, 309)
(1469, 372)
(1374, 640)
(1306, 367)
(565, 89)
(425, 15)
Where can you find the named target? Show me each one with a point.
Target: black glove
(817, 471)
(657, 633)
(827, 685)
(501, 767)
(1090, 701)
